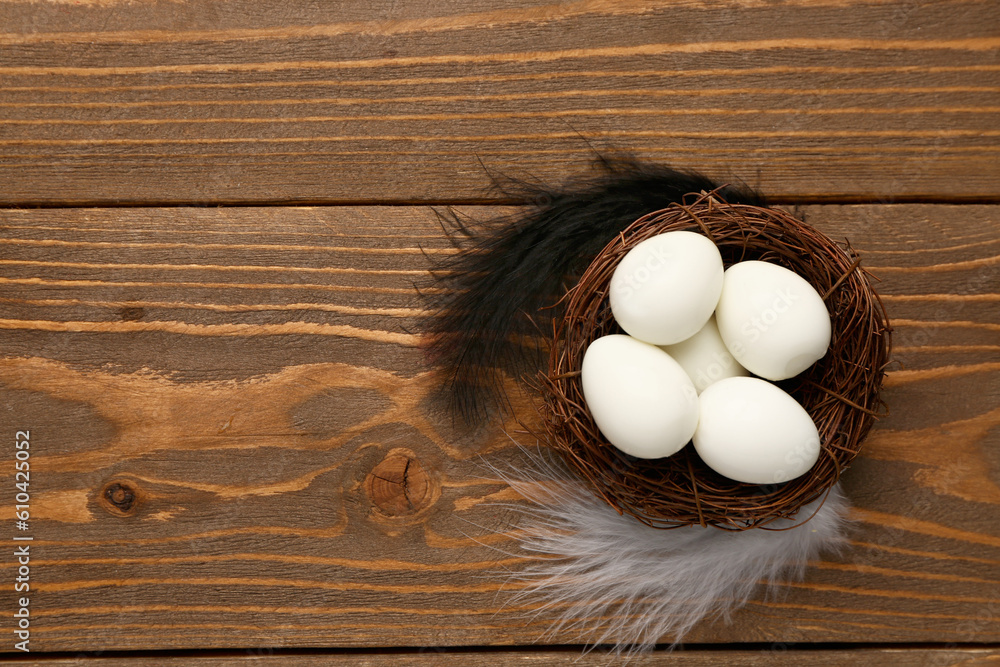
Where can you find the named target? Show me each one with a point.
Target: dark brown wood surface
(782, 655)
(235, 439)
(208, 311)
(383, 101)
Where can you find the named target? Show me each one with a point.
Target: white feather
(613, 580)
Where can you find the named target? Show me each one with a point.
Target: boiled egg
(666, 287)
(640, 398)
(772, 320)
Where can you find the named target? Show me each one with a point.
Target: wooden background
(213, 216)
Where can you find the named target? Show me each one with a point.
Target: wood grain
(236, 441)
(777, 654)
(106, 102)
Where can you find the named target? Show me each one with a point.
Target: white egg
(641, 399)
(705, 358)
(666, 287)
(772, 320)
(752, 431)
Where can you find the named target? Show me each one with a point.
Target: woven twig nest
(840, 392)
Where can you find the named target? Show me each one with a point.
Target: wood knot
(120, 498)
(399, 485)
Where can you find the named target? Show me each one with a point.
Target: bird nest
(840, 391)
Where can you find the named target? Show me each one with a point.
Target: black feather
(500, 291)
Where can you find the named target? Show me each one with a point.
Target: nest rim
(841, 391)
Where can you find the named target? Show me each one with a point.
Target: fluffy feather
(614, 580)
(500, 291)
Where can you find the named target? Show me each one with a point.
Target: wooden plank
(377, 101)
(950, 657)
(235, 440)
